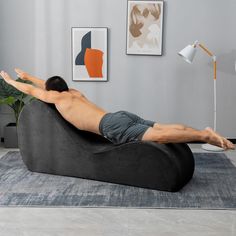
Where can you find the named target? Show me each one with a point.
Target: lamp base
(212, 148)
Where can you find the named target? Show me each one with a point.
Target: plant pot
(10, 136)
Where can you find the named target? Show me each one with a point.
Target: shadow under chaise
(49, 144)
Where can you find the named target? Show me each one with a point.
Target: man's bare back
(79, 111)
(85, 115)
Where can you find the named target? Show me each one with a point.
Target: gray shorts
(122, 127)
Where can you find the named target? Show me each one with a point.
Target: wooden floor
(117, 221)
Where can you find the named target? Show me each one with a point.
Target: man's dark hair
(56, 83)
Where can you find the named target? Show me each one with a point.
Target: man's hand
(25, 76)
(21, 74)
(6, 77)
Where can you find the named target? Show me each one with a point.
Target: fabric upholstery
(49, 144)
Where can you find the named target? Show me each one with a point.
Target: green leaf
(7, 101)
(12, 97)
(7, 90)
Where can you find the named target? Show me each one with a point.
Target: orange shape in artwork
(93, 62)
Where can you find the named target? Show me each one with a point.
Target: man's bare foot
(217, 140)
(212, 138)
(228, 144)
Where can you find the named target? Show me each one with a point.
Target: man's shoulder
(76, 93)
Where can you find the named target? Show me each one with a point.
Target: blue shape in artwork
(85, 43)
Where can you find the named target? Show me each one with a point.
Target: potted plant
(16, 101)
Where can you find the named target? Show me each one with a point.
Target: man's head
(56, 83)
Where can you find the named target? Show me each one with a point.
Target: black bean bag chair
(49, 144)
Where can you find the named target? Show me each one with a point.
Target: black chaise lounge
(49, 144)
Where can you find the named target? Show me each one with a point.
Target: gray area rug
(213, 187)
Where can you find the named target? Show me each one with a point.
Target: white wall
(36, 36)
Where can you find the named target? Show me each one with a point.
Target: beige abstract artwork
(144, 27)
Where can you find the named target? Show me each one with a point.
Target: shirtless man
(119, 127)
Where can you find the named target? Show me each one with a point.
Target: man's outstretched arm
(25, 76)
(43, 95)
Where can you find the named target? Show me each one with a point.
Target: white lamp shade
(188, 53)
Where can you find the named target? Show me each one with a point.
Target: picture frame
(89, 53)
(144, 31)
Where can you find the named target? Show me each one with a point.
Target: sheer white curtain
(52, 37)
(53, 20)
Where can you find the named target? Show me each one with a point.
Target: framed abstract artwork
(144, 27)
(89, 54)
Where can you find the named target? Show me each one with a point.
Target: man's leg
(224, 141)
(181, 134)
(174, 126)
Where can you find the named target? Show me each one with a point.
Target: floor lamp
(188, 54)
